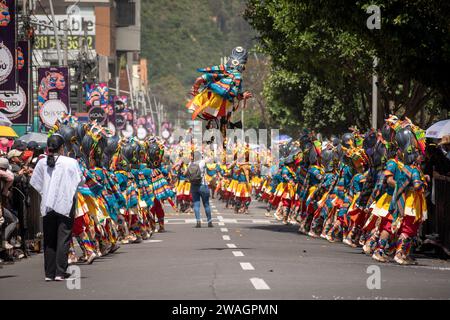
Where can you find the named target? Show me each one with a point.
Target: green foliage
(314, 64)
(322, 54)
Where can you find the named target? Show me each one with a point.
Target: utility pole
(242, 121)
(156, 112)
(55, 30)
(31, 110)
(160, 107)
(66, 44)
(80, 80)
(130, 86)
(150, 107)
(374, 94)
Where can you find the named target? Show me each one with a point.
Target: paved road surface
(242, 257)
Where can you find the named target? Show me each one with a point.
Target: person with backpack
(195, 174)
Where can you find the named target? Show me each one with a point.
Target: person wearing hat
(20, 192)
(36, 150)
(287, 189)
(57, 177)
(19, 145)
(14, 158)
(445, 146)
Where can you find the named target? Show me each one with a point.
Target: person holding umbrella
(57, 177)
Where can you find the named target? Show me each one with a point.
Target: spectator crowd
(18, 216)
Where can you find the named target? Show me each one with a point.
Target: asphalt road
(242, 257)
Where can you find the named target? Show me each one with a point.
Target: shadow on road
(275, 228)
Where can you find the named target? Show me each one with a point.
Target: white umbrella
(439, 129)
(39, 138)
(4, 121)
(282, 139)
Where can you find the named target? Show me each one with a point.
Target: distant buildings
(103, 44)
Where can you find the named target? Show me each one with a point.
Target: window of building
(125, 13)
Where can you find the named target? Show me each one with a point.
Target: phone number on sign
(46, 42)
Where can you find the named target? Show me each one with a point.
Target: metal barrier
(440, 218)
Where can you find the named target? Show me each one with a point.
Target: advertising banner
(8, 43)
(16, 105)
(75, 18)
(97, 95)
(120, 111)
(53, 94)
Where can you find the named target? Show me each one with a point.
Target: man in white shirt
(57, 178)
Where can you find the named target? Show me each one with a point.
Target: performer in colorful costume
(211, 177)
(222, 85)
(314, 177)
(286, 188)
(158, 181)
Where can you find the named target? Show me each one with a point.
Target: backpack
(194, 174)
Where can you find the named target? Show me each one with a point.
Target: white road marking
(246, 266)
(221, 220)
(223, 229)
(421, 267)
(226, 238)
(231, 246)
(151, 241)
(261, 221)
(221, 224)
(259, 284)
(238, 253)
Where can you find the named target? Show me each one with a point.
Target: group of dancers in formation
(126, 186)
(366, 190)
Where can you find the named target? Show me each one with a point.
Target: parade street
(242, 257)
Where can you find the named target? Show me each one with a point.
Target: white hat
(14, 153)
(4, 163)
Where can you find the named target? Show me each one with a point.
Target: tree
(326, 46)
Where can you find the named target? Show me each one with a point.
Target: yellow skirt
(208, 178)
(416, 205)
(256, 182)
(224, 184)
(232, 186)
(92, 206)
(381, 207)
(352, 206)
(280, 189)
(209, 104)
(183, 188)
(243, 190)
(289, 191)
(265, 185)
